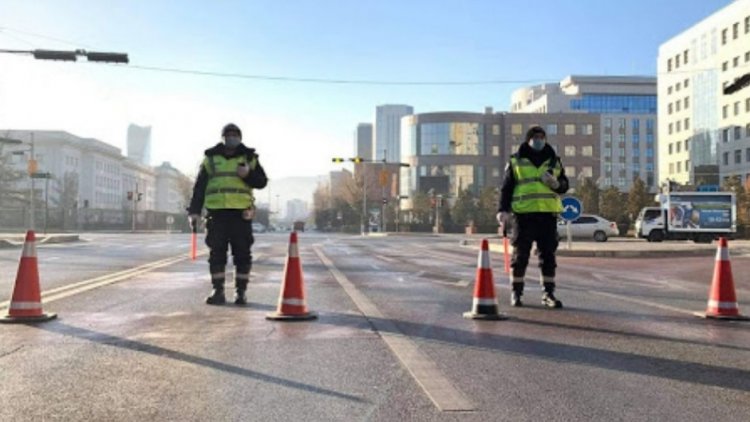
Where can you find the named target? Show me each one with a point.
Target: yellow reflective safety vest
(225, 189)
(530, 193)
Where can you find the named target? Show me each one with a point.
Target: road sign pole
(567, 228)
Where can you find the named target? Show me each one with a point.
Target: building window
(747, 24)
(687, 123)
(621, 125)
(636, 153)
(737, 156)
(687, 144)
(495, 172)
(747, 56)
(678, 127)
(669, 90)
(670, 149)
(621, 140)
(570, 151)
(735, 30)
(587, 129)
(495, 129)
(747, 105)
(670, 128)
(685, 56)
(747, 130)
(636, 125)
(736, 108)
(669, 65)
(621, 151)
(570, 129)
(677, 61)
(725, 135)
(723, 36)
(724, 66)
(736, 61)
(516, 129)
(687, 165)
(686, 83)
(679, 167)
(747, 155)
(678, 146)
(669, 108)
(570, 171)
(726, 158)
(687, 102)
(737, 132)
(677, 105)
(608, 123)
(495, 150)
(725, 111)
(671, 168)
(607, 139)
(678, 86)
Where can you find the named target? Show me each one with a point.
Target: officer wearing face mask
(529, 205)
(229, 173)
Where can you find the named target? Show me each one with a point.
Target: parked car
(259, 228)
(588, 226)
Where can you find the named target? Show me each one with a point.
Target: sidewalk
(15, 240)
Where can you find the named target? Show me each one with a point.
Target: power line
(46, 37)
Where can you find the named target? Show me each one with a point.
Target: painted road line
(437, 386)
(643, 302)
(86, 285)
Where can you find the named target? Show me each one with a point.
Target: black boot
(548, 299)
(239, 297)
(515, 296)
(217, 295)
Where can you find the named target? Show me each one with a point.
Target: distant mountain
(289, 188)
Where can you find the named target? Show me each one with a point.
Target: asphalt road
(390, 342)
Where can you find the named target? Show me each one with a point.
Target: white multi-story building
(170, 185)
(141, 180)
(387, 131)
(704, 133)
(627, 109)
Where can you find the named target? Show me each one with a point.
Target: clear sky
(297, 127)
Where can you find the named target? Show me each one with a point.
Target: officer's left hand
(550, 181)
(243, 170)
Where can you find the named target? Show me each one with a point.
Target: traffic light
(356, 160)
(130, 195)
(107, 57)
(385, 201)
(337, 160)
(68, 56)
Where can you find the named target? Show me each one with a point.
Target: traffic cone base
(722, 300)
(7, 319)
(26, 301)
(484, 305)
(292, 306)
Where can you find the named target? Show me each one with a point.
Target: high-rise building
(296, 209)
(387, 131)
(139, 144)
(173, 189)
(363, 141)
(704, 133)
(626, 109)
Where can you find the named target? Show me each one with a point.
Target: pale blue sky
(298, 126)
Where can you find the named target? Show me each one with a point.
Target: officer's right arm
(199, 192)
(506, 190)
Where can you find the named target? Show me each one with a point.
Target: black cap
(534, 131)
(231, 127)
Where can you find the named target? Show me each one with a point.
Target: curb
(9, 244)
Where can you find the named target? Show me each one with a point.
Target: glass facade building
(615, 104)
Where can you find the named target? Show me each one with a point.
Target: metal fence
(89, 219)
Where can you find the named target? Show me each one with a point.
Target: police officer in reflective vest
(529, 206)
(229, 173)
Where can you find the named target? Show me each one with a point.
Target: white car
(259, 228)
(590, 227)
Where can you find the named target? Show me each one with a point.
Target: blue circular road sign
(572, 208)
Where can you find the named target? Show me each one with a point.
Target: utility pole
(135, 206)
(382, 189)
(32, 167)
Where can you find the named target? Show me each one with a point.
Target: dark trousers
(227, 228)
(527, 229)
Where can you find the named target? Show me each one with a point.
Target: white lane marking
(52, 258)
(643, 302)
(424, 370)
(86, 285)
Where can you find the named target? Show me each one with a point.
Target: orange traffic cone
(292, 305)
(484, 305)
(722, 302)
(26, 302)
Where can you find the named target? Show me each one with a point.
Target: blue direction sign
(572, 208)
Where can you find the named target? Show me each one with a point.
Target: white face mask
(537, 144)
(232, 141)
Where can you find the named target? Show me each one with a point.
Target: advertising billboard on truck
(701, 211)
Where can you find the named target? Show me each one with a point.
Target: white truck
(697, 216)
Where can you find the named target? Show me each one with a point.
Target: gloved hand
(550, 180)
(243, 170)
(503, 217)
(194, 220)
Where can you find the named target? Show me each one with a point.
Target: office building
(139, 144)
(387, 131)
(363, 141)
